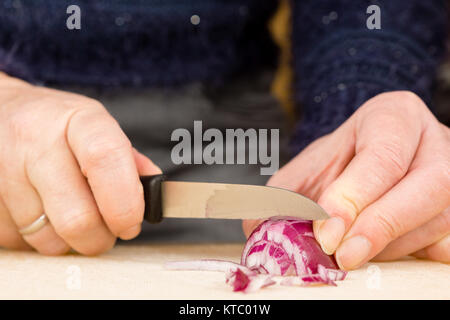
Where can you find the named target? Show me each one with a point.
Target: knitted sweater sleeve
(340, 63)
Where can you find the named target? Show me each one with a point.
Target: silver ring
(35, 226)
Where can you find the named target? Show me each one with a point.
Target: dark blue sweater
(338, 62)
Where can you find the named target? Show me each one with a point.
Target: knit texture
(340, 63)
(134, 42)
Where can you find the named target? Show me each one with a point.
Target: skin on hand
(64, 155)
(384, 178)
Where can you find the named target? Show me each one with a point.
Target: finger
(312, 170)
(144, 165)
(415, 200)
(249, 225)
(106, 158)
(9, 236)
(438, 251)
(419, 238)
(423, 194)
(68, 201)
(380, 162)
(24, 205)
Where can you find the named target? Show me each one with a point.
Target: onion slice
(248, 282)
(285, 248)
(281, 246)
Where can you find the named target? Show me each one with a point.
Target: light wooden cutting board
(137, 272)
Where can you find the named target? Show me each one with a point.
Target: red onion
(248, 281)
(280, 246)
(287, 247)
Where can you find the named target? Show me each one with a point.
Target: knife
(178, 199)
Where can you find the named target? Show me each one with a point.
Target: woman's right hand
(64, 155)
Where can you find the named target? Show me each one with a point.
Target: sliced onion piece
(285, 248)
(324, 276)
(281, 246)
(248, 281)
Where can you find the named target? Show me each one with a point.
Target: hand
(62, 154)
(384, 178)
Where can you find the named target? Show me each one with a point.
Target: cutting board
(137, 272)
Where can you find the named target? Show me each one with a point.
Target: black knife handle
(152, 197)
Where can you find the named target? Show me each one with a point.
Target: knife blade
(179, 199)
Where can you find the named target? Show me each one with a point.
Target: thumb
(312, 170)
(249, 225)
(144, 165)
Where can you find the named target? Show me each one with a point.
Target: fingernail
(353, 252)
(130, 233)
(330, 234)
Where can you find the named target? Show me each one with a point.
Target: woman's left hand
(384, 178)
